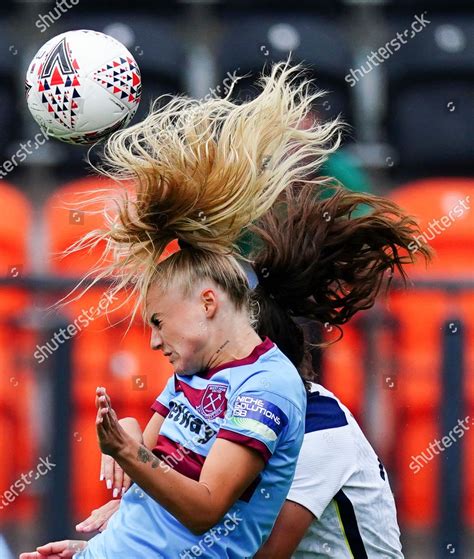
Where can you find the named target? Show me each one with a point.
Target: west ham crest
(213, 403)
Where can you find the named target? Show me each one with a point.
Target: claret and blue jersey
(258, 401)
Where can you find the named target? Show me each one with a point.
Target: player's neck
(236, 346)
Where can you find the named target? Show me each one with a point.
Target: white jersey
(340, 479)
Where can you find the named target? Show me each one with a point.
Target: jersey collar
(257, 352)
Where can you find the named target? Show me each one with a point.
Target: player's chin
(182, 369)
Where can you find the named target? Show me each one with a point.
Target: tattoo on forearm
(144, 455)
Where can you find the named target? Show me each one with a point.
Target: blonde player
(232, 416)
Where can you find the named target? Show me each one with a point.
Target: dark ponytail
(315, 260)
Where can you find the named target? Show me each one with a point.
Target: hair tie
(172, 247)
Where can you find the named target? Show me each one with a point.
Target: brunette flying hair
(318, 261)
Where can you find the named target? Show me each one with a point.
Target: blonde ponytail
(203, 171)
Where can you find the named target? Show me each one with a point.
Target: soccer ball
(82, 85)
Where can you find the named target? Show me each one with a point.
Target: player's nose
(156, 341)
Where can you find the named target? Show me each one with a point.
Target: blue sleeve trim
(323, 412)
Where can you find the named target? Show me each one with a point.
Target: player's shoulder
(273, 374)
(324, 410)
(270, 363)
(271, 383)
(328, 417)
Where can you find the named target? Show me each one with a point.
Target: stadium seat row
(409, 350)
(424, 63)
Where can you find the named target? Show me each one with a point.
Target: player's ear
(209, 301)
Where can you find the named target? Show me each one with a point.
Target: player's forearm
(188, 500)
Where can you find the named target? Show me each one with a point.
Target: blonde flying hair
(202, 171)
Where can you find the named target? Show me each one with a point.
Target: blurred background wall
(401, 73)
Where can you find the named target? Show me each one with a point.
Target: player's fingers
(56, 550)
(101, 397)
(104, 524)
(107, 398)
(90, 524)
(99, 391)
(106, 422)
(103, 402)
(98, 518)
(109, 463)
(74, 546)
(53, 547)
(84, 525)
(98, 417)
(110, 421)
(37, 555)
(113, 414)
(101, 418)
(126, 482)
(106, 414)
(102, 467)
(118, 480)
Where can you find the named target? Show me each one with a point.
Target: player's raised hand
(114, 476)
(111, 435)
(56, 550)
(99, 518)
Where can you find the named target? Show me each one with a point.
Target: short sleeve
(162, 404)
(257, 419)
(325, 463)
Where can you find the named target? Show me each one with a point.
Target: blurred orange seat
(443, 208)
(343, 366)
(15, 222)
(104, 353)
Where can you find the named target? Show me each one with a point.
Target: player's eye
(155, 321)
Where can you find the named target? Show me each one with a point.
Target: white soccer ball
(82, 85)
